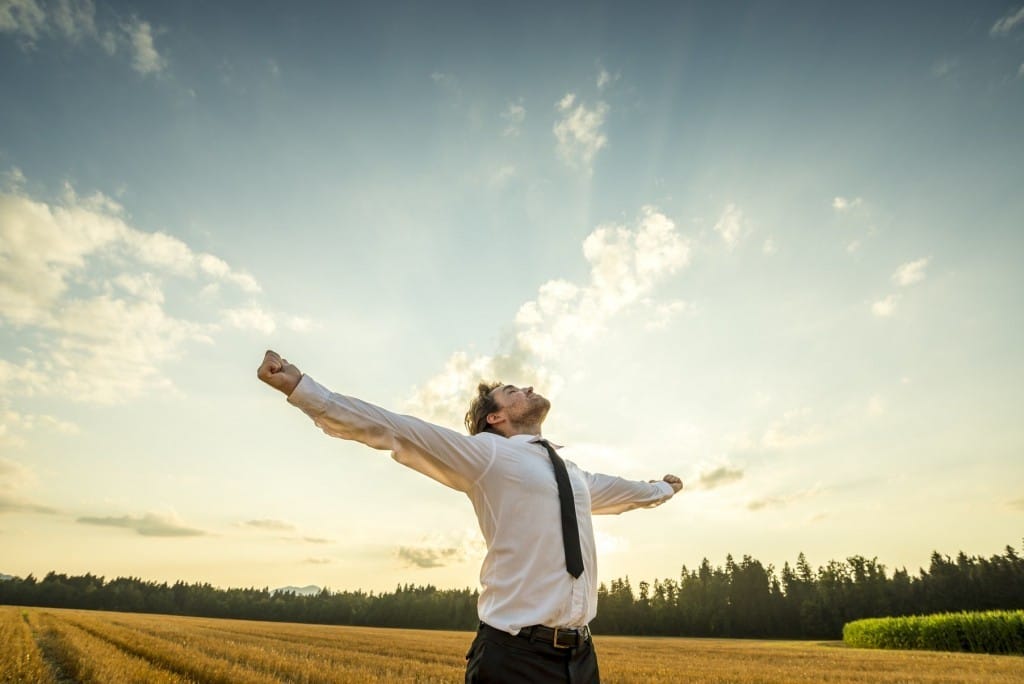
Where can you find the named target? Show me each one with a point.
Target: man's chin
(539, 411)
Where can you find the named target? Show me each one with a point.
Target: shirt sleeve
(613, 495)
(451, 458)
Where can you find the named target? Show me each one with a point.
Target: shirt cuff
(310, 396)
(666, 488)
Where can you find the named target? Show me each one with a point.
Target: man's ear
(495, 418)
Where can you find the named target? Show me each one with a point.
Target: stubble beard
(536, 411)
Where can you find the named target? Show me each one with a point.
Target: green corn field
(994, 631)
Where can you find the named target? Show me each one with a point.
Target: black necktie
(570, 529)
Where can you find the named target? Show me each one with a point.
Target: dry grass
(80, 656)
(653, 659)
(20, 657)
(100, 646)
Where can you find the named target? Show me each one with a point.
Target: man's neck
(531, 430)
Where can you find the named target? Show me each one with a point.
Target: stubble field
(54, 645)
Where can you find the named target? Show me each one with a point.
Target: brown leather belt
(559, 637)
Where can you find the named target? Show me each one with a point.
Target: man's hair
(483, 405)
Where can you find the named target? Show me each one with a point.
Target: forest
(740, 599)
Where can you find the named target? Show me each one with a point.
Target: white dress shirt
(511, 483)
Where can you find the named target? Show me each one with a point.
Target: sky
(773, 248)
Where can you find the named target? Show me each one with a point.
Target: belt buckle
(554, 639)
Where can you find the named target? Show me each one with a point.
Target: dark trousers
(498, 657)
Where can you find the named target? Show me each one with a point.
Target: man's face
(520, 405)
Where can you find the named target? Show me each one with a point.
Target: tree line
(739, 599)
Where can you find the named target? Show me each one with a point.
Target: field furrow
(184, 661)
(81, 657)
(297, 661)
(20, 657)
(424, 646)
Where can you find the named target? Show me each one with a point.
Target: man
(539, 576)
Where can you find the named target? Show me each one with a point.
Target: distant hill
(4, 577)
(308, 590)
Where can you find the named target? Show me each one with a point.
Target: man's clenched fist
(676, 483)
(278, 373)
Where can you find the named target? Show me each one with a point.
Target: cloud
(26, 376)
(911, 272)
(145, 58)
(75, 19)
(267, 524)
(766, 502)
(1017, 504)
(13, 179)
(783, 500)
(502, 175)
(148, 525)
(514, 115)
(1007, 23)
(303, 540)
(14, 478)
(446, 82)
(793, 430)
(945, 67)
(429, 558)
(876, 405)
(769, 247)
(718, 477)
(626, 264)
(14, 504)
(579, 132)
(24, 17)
(83, 294)
(11, 470)
(76, 22)
(442, 78)
(218, 268)
(442, 550)
(605, 78)
(28, 421)
(14, 424)
(300, 323)
(844, 204)
(317, 561)
(280, 526)
(250, 317)
(884, 308)
(662, 314)
(730, 225)
(50, 244)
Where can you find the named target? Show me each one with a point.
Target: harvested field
(54, 645)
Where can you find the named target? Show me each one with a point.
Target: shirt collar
(531, 439)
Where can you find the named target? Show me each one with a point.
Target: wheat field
(43, 645)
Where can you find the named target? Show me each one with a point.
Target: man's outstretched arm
(445, 455)
(612, 495)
